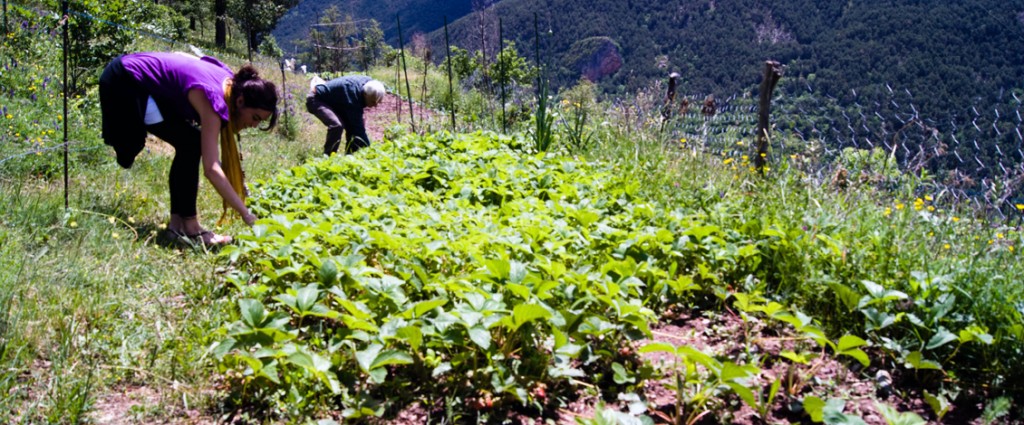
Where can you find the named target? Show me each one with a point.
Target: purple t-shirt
(168, 77)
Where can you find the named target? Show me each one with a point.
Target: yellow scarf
(230, 156)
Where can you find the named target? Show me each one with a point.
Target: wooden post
(772, 73)
(405, 71)
(670, 97)
(451, 89)
(284, 89)
(501, 76)
(67, 50)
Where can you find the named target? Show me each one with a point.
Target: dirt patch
(143, 405)
(395, 110)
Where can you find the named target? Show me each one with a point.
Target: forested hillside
(949, 52)
(950, 67)
(417, 16)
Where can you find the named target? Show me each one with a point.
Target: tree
(94, 42)
(509, 67)
(373, 44)
(220, 13)
(258, 17)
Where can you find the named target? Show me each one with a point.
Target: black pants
(123, 105)
(335, 127)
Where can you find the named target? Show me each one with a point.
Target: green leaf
(328, 273)
(657, 347)
(525, 313)
(441, 369)
(745, 393)
(815, 408)
(733, 372)
(223, 348)
(939, 404)
(833, 414)
(916, 360)
(253, 312)
(894, 417)
(481, 336)
(422, 307)
(975, 333)
(391, 357)
(942, 337)
(848, 342)
(878, 294)
(794, 357)
(307, 297)
(413, 335)
(366, 357)
(621, 376)
(846, 295)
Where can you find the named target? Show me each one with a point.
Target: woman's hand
(249, 218)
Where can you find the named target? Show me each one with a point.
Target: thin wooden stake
(451, 88)
(67, 49)
(408, 91)
(772, 74)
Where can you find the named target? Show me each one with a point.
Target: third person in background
(339, 104)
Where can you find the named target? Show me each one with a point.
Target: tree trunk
(220, 12)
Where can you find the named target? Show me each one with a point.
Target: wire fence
(988, 175)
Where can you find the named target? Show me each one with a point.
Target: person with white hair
(339, 104)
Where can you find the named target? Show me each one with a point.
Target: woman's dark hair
(256, 92)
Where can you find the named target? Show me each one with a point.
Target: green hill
(948, 53)
(417, 16)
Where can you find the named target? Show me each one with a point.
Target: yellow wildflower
(887, 212)
(1020, 207)
(956, 219)
(946, 246)
(928, 198)
(727, 161)
(115, 235)
(899, 206)
(111, 219)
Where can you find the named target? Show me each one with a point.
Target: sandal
(205, 237)
(209, 238)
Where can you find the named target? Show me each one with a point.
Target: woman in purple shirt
(185, 101)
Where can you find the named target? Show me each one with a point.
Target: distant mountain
(947, 55)
(417, 16)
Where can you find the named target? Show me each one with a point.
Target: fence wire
(988, 175)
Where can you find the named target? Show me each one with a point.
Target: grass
(93, 300)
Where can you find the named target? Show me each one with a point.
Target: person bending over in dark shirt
(339, 104)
